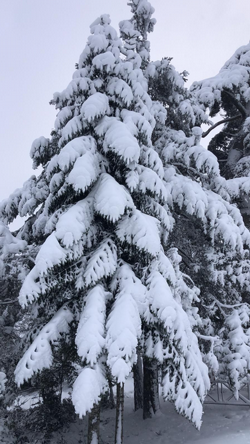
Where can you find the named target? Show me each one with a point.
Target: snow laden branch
(39, 354)
(90, 341)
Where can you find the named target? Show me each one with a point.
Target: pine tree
(228, 93)
(201, 209)
(124, 185)
(103, 224)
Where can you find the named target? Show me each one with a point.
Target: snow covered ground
(221, 425)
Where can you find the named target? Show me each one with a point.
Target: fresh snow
(39, 354)
(221, 425)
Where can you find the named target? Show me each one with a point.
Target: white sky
(41, 40)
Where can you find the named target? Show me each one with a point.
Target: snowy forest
(132, 263)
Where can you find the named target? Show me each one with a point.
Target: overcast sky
(41, 40)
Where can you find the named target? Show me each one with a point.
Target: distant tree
(14, 266)
(228, 94)
(210, 256)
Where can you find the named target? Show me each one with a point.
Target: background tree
(228, 94)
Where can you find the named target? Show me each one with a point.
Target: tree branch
(196, 173)
(8, 302)
(229, 119)
(236, 103)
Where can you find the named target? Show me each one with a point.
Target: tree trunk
(150, 388)
(138, 384)
(93, 425)
(111, 396)
(119, 413)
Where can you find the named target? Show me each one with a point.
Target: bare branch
(229, 119)
(8, 302)
(236, 103)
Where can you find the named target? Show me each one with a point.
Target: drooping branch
(236, 103)
(229, 119)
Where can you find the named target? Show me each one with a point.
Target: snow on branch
(140, 230)
(96, 106)
(125, 279)
(9, 244)
(185, 376)
(75, 222)
(120, 91)
(111, 198)
(71, 228)
(123, 331)
(90, 332)
(102, 263)
(87, 389)
(70, 153)
(118, 138)
(39, 354)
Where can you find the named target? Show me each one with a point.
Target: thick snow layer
(125, 279)
(138, 124)
(72, 129)
(224, 220)
(150, 158)
(90, 332)
(87, 388)
(59, 246)
(38, 149)
(79, 85)
(123, 332)
(8, 242)
(185, 381)
(140, 230)
(39, 354)
(111, 199)
(49, 255)
(84, 172)
(182, 150)
(236, 361)
(119, 90)
(74, 223)
(148, 180)
(70, 153)
(118, 138)
(24, 200)
(104, 61)
(95, 106)
(234, 74)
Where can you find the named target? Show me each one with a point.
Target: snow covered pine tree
(209, 232)
(228, 92)
(103, 212)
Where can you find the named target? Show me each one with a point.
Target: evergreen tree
(103, 225)
(201, 209)
(228, 93)
(124, 182)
